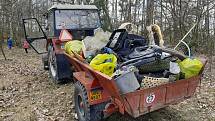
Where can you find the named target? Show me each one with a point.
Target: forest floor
(28, 94)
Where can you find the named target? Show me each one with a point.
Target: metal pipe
(181, 41)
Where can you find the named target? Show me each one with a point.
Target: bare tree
(2, 50)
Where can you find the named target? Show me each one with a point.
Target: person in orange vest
(26, 46)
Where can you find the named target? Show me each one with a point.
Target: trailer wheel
(53, 65)
(84, 111)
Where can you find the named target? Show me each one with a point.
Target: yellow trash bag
(74, 45)
(190, 67)
(104, 63)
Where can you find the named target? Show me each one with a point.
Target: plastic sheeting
(97, 42)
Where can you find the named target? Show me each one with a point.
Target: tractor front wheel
(83, 109)
(45, 61)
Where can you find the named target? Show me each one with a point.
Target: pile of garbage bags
(131, 62)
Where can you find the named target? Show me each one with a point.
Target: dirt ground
(28, 94)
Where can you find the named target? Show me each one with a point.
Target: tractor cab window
(77, 19)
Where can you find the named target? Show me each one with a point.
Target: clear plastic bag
(97, 42)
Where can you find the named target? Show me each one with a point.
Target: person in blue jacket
(9, 42)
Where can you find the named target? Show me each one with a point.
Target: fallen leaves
(27, 93)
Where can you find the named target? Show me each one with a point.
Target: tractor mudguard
(64, 71)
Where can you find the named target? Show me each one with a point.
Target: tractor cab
(79, 20)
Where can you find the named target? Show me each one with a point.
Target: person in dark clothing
(9, 42)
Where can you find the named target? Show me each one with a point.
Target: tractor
(79, 20)
(96, 95)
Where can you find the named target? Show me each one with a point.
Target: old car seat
(123, 43)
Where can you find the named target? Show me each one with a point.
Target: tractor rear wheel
(59, 67)
(53, 65)
(83, 109)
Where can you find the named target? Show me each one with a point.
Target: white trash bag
(93, 43)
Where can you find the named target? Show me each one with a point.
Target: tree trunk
(129, 11)
(2, 50)
(143, 20)
(116, 12)
(150, 12)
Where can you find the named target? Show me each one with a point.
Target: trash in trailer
(132, 62)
